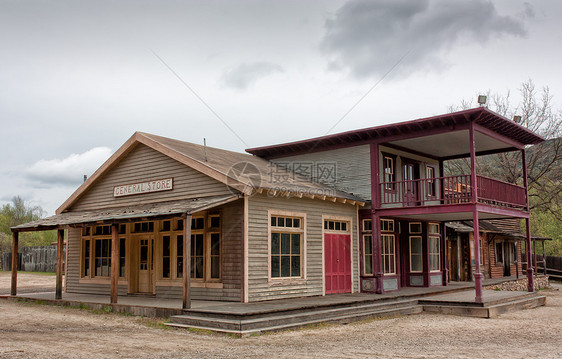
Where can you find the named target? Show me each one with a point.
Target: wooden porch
(246, 318)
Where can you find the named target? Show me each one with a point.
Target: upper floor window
(430, 178)
(389, 172)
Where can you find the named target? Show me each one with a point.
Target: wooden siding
(259, 286)
(231, 265)
(353, 168)
(144, 164)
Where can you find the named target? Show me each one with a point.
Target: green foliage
(545, 224)
(19, 212)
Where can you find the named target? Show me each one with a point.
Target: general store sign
(158, 185)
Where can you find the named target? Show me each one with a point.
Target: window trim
(410, 228)
(272, 281)
(438, 254)
(383, 254)
(372, 255)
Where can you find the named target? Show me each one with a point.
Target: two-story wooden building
(357, 211)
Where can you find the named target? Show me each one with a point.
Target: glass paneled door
(144, 264)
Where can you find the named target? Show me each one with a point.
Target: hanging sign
(158, 185)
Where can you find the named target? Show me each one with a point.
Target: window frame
(391, 256)
(431, 188)
(434, 255)
(302, 230)
(393, 158)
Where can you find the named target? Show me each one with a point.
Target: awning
(125, 214)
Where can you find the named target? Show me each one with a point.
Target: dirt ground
(41, 331)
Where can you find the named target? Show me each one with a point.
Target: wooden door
(411, 173)
(145, 264)
(337, 261)
(453, 258)
(507, 258)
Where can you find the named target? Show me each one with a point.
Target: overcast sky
(78, 78)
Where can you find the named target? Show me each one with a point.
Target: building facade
(361, 211)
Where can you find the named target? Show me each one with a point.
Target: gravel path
(39, 331)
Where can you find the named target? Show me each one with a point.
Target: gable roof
(243, 172)
(481, 116)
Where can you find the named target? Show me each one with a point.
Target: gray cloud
(369, 37)
(245, 75)
(69, 170)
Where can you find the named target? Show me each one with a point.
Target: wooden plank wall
(353, 168)
(258, 206)
(144, 164)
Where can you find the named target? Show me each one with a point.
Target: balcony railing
(452, 190)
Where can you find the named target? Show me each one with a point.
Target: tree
(19, 212)
(544, 161)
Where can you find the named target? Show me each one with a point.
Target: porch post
(15, 237)
(441, 184)
(375, 219)
(114, 262)
(474, 185)
(445, 252)
(530, 279)
(60, 244)
(186, 275)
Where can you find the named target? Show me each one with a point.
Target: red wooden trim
(525, 176)
(59, 269)
(15, 240)
(479, 153)
(114, 262)
(530, 269)
(186, 280)
(408, 150)
(375, 176)
(473, 179)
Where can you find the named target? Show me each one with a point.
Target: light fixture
(517, 119)
(482, 100)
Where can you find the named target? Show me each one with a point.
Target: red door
(337, 261)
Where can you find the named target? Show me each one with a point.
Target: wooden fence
(553, 266)
(33, 259)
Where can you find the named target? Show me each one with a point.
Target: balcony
(452, 190)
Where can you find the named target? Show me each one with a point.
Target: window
(389, 175)
(205, 248)
(330, 225)
(415, 227)
(368, 253)
(387, 225)
(102, 257)
(197, 255)
(434, 254)
(179, 257)
(499, 252)
(143, 227)
(388, 256)
(86, 261)
(433, 228)
(415, 254)
(473, 260)
(430, 178)
(513, 252)
(285, 246)
(367, 225)
(122, 256)
(166, 256)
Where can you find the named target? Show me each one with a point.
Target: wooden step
(290, 319)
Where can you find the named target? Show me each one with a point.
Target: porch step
(470, 303)
(489, 310)
(253, 323)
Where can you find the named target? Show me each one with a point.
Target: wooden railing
(451, 190)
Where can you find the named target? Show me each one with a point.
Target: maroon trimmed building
(398, 170)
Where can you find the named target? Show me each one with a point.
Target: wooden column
(441, 184)
(474, 185)
(530, 279)
(114, 262)
(186, 275)
(375, 219)
(15, 238)
(59, 269)
(445, 254)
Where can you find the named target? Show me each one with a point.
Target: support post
(474, 185)
(15, 238)
(445, 253)
(186, 274)
(59, 268)
(114, 262)
(530, 270)
(530, 279)
(375, 219)
(441, 184)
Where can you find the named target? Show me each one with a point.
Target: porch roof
(125, 214)
(489, 226)
(431, 136)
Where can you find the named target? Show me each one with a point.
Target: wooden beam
(59, 269)
(186, 275)
(15, 237)
(114, 262)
